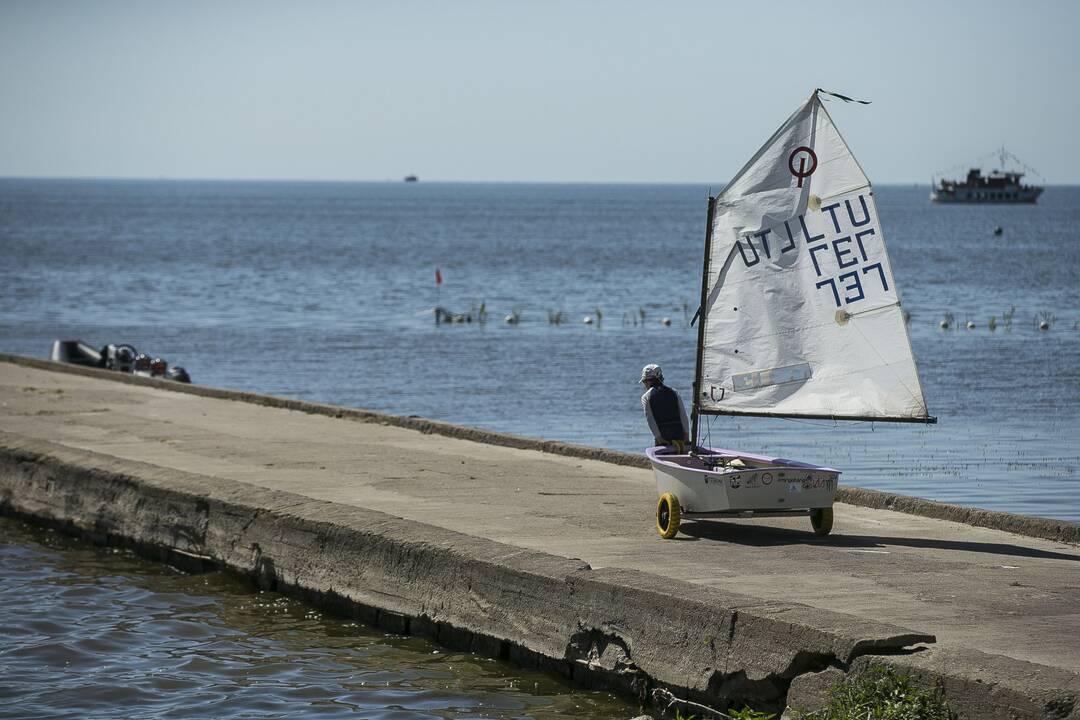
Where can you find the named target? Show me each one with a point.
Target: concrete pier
(545, 554)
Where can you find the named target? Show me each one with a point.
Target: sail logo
(842, 241)
(805, 156)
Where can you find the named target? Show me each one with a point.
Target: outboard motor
(120, 358)
(178, 374)
(75, 352)
(142, 365)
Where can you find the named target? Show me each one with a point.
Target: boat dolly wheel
(821, 520)
(668, 516)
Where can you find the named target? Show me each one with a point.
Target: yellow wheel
(668, 515)
(821, 520)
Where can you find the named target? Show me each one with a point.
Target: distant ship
(1000, 186)
(411, 178)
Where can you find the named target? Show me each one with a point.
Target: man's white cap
(651, 372)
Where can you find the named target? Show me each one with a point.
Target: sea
(326, 291)
(98, 633)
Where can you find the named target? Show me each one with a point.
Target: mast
(695, 412)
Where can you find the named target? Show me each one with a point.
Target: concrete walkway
(974, 588)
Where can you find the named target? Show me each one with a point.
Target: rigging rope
(1022, 164)
(979, 161)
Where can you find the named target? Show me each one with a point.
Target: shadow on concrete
(766, 536)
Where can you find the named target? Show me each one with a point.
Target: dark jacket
(665, 413)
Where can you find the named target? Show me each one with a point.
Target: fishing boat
(799, 318)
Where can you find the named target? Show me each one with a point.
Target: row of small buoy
(1041, 321)
(634, 319)
(479, 315)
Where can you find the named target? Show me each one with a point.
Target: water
(318, 291)
(88, 632)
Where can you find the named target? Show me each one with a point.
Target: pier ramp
(543, 553)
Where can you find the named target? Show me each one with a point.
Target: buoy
(970, 324)
(510, 320)
(944, 324)
(999, 230)
(587, 320)
(1044, 325)
(665, 321)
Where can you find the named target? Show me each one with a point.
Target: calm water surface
(88, 632)
(323, 291)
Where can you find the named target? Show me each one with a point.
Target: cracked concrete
(545, 559)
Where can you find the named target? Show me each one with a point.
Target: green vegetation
(881, 694)
(748, 714)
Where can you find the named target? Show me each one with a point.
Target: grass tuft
(880, 693)
(748, 714)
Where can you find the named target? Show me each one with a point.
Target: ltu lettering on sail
(831, 209)
(782, 238)
(763, 242)
(843, 242)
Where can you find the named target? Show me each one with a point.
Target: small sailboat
(800, 318)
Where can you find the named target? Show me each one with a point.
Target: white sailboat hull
(766, 486)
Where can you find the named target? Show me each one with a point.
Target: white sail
(802, 315)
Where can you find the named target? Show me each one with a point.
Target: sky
(505, 90)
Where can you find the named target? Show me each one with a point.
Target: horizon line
(402, 180)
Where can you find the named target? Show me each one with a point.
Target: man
(663, 409)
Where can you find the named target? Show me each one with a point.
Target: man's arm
(682, 414)
(649, 417)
